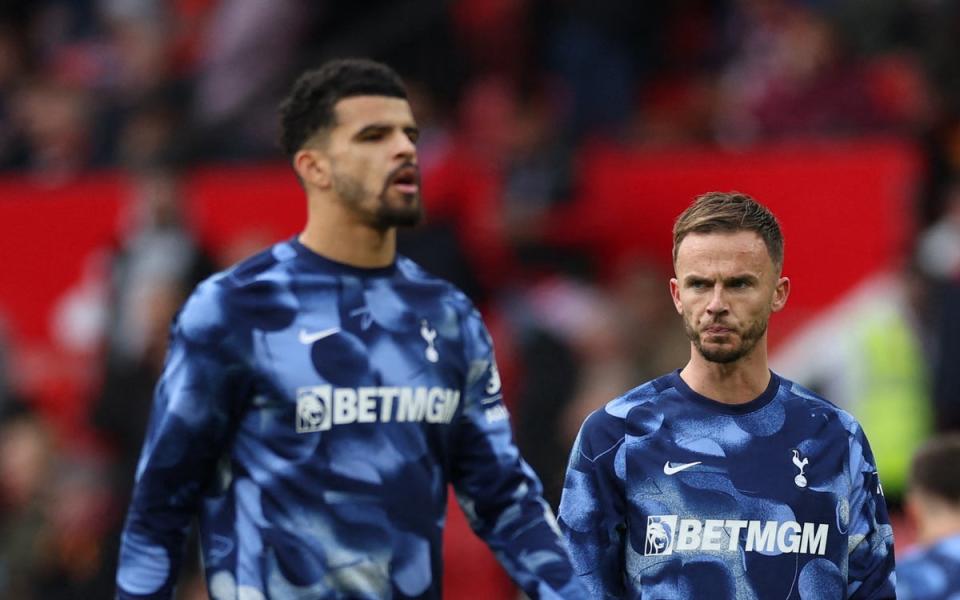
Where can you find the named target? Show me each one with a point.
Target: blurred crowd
(507, 93)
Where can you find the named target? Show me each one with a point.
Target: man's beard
(748, 341)
(352, 192)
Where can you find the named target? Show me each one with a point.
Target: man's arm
(188, 426)
(592, 507)
(871, 561)
(499, 493)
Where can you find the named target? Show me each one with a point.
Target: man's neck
(737, 382)
(335, 234)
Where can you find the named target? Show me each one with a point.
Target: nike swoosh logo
(309, 338)
(671, 469)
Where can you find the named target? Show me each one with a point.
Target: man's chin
(405, 217)
(720, 353)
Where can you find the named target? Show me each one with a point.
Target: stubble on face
(726, 355)
(384, 214)
(733, 329)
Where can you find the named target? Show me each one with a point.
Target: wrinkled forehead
(729, 252)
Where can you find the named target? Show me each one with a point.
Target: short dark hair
(730, 212)
(934, 468)
(309, 107)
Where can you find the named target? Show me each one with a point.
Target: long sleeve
(498, 491)
(186, 435)
(592, 508)
(871, 560)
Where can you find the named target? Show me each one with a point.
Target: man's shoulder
(938, 564)
(216, 300)
(946, 551)
(430, 284)
(433, 292)
(643, 395)
(610, 421)
(795, 393)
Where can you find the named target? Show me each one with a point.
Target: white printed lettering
(788, 538)
(388, 395)
(814, 541)
(435, 405)
(688, 536)
(761, 540)
(735, 528)
(712, 534)
(664, 536)
(367, 405)
(344, 406)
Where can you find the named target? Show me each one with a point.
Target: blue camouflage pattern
(670, 494)
(931, 573)
(312, 414)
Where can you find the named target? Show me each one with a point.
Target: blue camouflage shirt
(311, 415)
(670, 494)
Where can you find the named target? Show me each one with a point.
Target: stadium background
(560, 138)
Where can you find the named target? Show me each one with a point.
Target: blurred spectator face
(142, 43)
(157, 199)
(56, 121)
(146, 135)
(144, 54)
(78, 512)
(25, 455)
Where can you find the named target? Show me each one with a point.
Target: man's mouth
(406, 180)
(718, 330)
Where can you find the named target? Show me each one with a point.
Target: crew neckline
(734, 409)
(328, 264)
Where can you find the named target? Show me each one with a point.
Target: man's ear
(780, 294)
(313, 167)
(675, 295)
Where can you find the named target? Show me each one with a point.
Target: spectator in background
(946, 376)
(55, 507)
(155, 266)
(56, 121)
(938, 257)
(248, 48)
(27, 458)
(157, 248)
(790, 76)
(932, 571)
(938, 246)
(13, 66)
(571, 357)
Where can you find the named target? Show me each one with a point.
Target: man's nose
(718, 301)
(405, 148)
